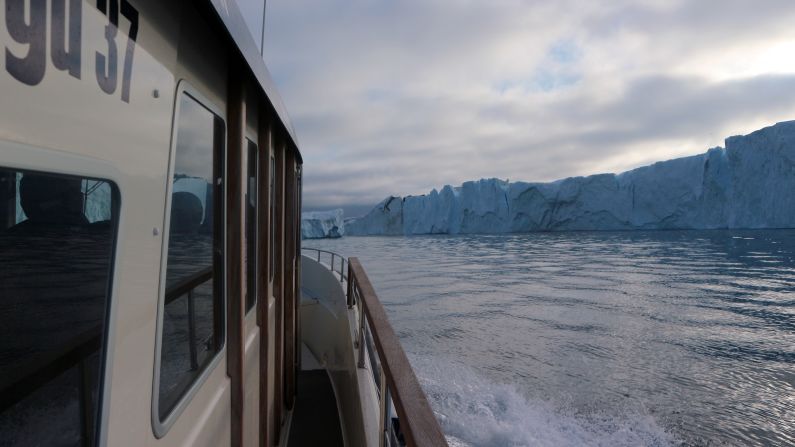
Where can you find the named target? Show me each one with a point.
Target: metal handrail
(332, 264)
(398, 385)
(41, 369)
(187, 286)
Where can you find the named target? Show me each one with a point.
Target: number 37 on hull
(25, 58)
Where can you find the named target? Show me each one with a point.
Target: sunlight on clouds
(400, 97)
(643, 154)
(773, 58)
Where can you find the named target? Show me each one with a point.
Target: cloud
(401, 97)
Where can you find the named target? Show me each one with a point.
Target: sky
(400, 97)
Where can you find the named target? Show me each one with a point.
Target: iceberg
(96, 205)
(322, 224)
(747, 184)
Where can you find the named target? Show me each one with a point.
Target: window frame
(271, 216)
(161, 426)
(251, 140)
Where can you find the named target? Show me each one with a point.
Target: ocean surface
(661, 338)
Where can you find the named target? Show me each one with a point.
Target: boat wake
(474, 411)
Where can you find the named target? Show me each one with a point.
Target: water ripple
(587, 338)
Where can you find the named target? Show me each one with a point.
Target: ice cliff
(97, 203)
(749, 184)
(322, 224)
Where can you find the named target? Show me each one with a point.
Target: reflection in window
(272, 211)
(299, 195)
(251, 227)
(56, 243)
(192, 329)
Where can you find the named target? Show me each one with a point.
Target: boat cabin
(152, 286)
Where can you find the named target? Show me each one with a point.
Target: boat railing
(398, 387)
(41, 369)
(77, 352)
(186, 287)
(336, 262)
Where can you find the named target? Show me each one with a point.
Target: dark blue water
(589, 338)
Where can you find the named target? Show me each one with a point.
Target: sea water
(596, 338)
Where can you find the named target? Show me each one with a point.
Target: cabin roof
(234, 23)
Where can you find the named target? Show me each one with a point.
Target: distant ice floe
(748, 184)
(322, 224)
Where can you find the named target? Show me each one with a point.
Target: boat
(154, 290)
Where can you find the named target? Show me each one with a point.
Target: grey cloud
(401, 97)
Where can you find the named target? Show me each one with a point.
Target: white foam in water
(474, 411)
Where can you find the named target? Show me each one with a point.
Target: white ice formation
(97, 203)
(322, 224)
(749, 184)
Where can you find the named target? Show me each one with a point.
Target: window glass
(56, 248)
(192, 329)
(251, 227)
(273, 218)
(299, 197)
(96, 203)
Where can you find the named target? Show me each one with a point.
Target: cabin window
(251, 226)
(299, 195)
(57, 235)
(193, 314)
(272, 211)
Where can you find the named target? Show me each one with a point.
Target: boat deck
(315, 418)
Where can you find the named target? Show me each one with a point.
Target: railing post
(342, 268)
(362, 341)
(350, 287)
(86, 404)
(194, 356)
(384, 424)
